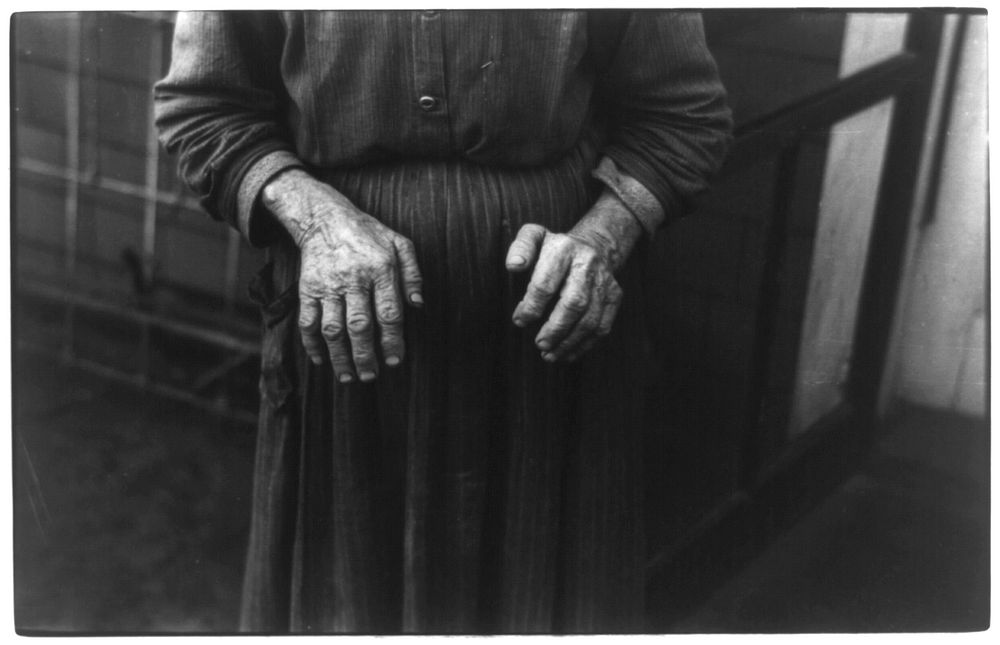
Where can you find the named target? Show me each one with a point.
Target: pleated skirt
(474, 488)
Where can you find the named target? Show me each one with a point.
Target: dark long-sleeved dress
(475, 488)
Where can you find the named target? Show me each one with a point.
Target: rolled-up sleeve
(669, 123)
(219, 109)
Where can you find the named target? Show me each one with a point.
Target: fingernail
(416, 299)
(346, 378)
(548, 357)
(515, 261)
(367, 376)
(316, 360)
(544, 345)
(392, 361)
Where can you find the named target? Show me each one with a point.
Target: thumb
(524, 249)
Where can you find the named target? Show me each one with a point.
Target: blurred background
(818, 437)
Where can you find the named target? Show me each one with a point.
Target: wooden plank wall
(840, 241)
(109, 60)
(116, 269)
(940, 346)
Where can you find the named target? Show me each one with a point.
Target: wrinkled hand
(579, 273)
(353, 273)
(578, 269)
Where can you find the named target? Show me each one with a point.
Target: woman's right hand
(352, 266)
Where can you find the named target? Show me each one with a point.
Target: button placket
(430, 97)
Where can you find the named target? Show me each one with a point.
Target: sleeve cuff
(637, 198)
(251, 221)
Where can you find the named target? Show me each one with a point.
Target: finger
(612, 303)
(336, 339)
(359, 329)
(309, 322)
(524, 249)
(575, 347)
(409, 271)
(584, 329)
(575, 306)
(546, 279)
(389, 313)
(596, 322)
(581, 349)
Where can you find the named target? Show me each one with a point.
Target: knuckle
(372, 269)
(541, 288)
(385, 259)
(555, 329)
(309, 278)
(332, 331)
(558, 241)
(340, 358)
(576, 302)
(384, 286)
(561, 328)
(532, 308)
(362, 350)
(389, 314)
(391, 344)
(405, 244)
(359, 324)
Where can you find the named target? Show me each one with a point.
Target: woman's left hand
(579, 268)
